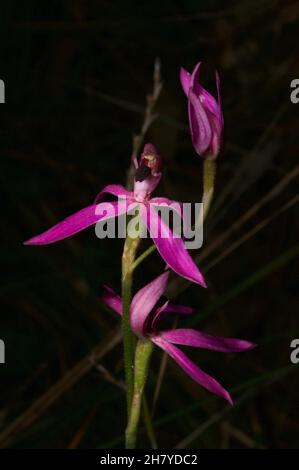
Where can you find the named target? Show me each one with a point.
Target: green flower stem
(148, 423)
(142, 356)
(130, 248)
(209, 172)
(136, 377)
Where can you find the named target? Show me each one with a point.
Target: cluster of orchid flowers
(149, 305)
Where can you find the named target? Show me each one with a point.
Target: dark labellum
(142, 173)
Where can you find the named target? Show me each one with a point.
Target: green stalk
(136, 376)
(209, 172)
(142, 356)
(130, 248)
(148, 423)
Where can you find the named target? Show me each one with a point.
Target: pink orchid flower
(205, 114)
(148, 174)
(148, 307)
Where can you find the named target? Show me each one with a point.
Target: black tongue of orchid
(142, 172)
(150, 163)
(148, 173)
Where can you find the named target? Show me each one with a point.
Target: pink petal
(79, 221)
(180, 309)
(212, 106)
(144, 301)
(197, 339)
(116, 190)
(170, 247)
(216, 140)
(113, 300)
(201, 132)
(170, 308)
(193, 370)
(185, 80)
(194, 79)
(208, 101)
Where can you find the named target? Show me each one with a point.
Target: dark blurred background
(77, 74)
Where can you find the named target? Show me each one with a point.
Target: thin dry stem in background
(149, 117)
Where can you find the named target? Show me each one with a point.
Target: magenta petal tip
(33, 241)
(229, 399)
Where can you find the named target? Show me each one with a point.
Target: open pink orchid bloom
(205, 114)
(148, 307)
(148, 174)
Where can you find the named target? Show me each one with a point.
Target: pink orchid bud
(148, 173)
(205, 114)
